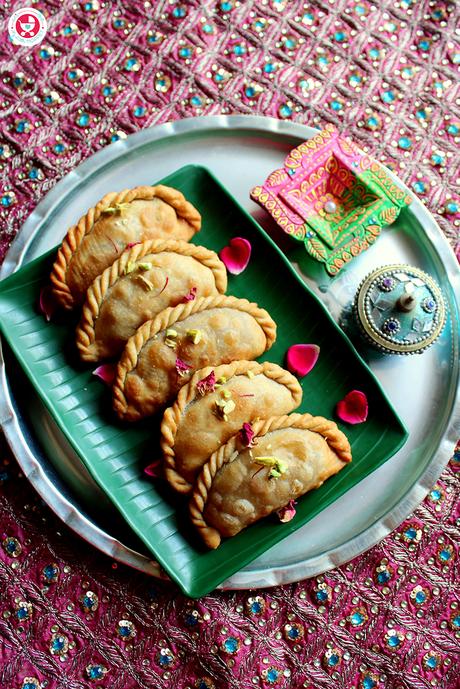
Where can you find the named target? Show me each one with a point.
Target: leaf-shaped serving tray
(115, 453)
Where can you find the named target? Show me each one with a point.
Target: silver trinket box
(400, 309)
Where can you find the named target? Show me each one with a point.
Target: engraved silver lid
(400, 309)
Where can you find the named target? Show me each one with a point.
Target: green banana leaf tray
(115, 454)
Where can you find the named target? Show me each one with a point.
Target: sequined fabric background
(388, 75)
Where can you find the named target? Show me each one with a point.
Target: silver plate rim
(85, 527)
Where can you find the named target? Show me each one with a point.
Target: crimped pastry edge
(76, 233)
(166, 319)
(85, 333)
(172, 415)
(335, 438)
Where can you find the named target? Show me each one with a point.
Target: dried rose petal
(353, 408)
(236, 255)
(154, 469)
(131, 244)
(181, 367)
(46, 303)
(286, 513)
(190, 296)
(247, 435)
(106, 373)
(301, 358)
(207, 384)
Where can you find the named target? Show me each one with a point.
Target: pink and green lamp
(331, 196)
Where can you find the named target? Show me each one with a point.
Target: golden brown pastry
(240, 485)
(145, 280)
(164, 352)
(213, 406)
(118, 220)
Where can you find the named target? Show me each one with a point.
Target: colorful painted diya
(331, 196)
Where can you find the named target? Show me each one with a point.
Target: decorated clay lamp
(400, 309)
(331, 196)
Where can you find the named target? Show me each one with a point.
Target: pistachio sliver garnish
(282, 466)
(229, 406)
(170, 338)
(116, 208)
(266, 461)
(279, 469)
(144, 266)
(194, 335)
(224, 407)
(277, 466)
(145, 282)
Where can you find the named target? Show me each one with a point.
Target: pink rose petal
(154, 469)
(181, 367)
(46, 303)
(288, 512)
(301, 358)
(106, 373)
(353, 408)
(236, 255)
(247, 435)
(207, 384)
(190, 296)
(131, 244)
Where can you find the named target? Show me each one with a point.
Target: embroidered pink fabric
(386, 73)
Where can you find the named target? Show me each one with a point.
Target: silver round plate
(241, 151)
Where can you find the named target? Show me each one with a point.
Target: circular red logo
(27, 25)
